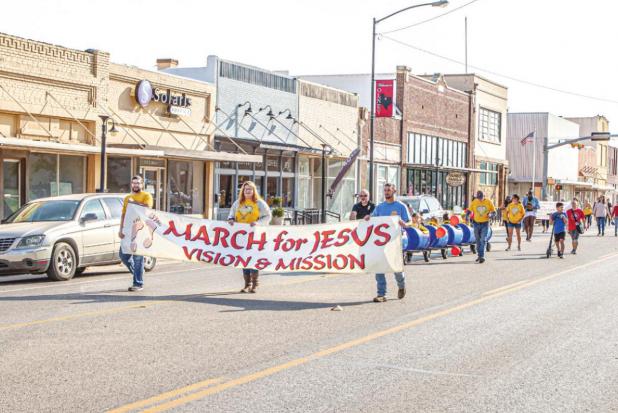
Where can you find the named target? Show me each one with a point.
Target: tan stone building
(51, 102)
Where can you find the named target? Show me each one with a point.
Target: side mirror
(88, 217)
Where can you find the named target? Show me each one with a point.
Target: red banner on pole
(384, 98)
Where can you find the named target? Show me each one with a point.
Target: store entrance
(153, 184)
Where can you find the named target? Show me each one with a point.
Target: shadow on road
(218, 298)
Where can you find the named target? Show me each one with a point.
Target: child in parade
(514, 216)
(560, 221)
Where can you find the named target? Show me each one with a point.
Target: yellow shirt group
(141, 197)
(587, 211)
(515, 212)
(481, 209)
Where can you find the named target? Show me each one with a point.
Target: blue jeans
(135, 264)
(381, 281)
(480, 233)
(601, 224)
(615, 225)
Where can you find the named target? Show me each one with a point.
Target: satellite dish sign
(346, 167)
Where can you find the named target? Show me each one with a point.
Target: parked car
(62, 236)
(428, 205)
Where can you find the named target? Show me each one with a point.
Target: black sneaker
(477, 259)
(401, 293)
(136, 288)
(481, 260)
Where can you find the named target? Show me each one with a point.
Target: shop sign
(158, 163)
(455, 179)
(177, 104)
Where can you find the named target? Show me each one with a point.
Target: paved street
(518, 333)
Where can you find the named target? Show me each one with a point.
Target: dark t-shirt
(363, 211)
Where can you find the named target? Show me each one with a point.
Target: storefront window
(273, 163)
(119, 175)
(271, 188)
(304, 183)
(180, 187)
(287, 164)
(287, 192)
(43, 175)
(12, 186)
(72, 171)
(432, 182)
(226, 196)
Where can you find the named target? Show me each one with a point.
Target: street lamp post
(440, 3)
(594, 137)
(105, 120)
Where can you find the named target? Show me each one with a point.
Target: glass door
(153, 184)
(12, 186)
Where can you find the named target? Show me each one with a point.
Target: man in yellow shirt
(482, 210)
(514, 215)
(135, 263)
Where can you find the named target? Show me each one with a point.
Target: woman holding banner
(250, 209)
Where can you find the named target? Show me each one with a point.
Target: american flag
(529, 138)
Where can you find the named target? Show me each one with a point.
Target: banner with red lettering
(343, 247)
(384, 98)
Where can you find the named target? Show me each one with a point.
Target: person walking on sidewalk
(514, 215)
(531, 205)
(560, 221)
(363, 208)
(250, 209)
(615, 218)
(600, 213)
(576, 224)
(391, 207)
(588, 214)
(482, 210)
(135, 263)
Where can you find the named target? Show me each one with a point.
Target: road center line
(354, 343)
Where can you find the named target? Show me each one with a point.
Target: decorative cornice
(46, 49)
(90, 89)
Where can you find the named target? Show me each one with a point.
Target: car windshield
(45, 211)
(415, 204)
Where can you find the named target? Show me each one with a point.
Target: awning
(574, 183)
(449, 168)
(131, 150)
(19, 143)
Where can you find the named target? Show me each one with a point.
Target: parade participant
(250, 209)
(391, 207)
(417, 223)
(482, 210)
(363, 208)
(514, 215)
(560, 221)
(135, 263)
(600, 213)
(505, 205)
(615, 218)
(576, 218)
(531, 205)
(588, 214)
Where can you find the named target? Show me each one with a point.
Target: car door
(114, 208)
(97, 234)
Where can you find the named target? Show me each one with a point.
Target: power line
(449, 59)
(430, 19)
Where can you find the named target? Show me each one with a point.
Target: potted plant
(277, 211)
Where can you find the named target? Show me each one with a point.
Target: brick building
(51, 100)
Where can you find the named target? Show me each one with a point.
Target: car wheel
(63, 263)
(149, 263)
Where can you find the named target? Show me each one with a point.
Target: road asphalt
(519, 333)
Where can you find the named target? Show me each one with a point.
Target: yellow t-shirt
(515, 212)
(141, 197)
(247, 212)
(481, 209)
(587, 211)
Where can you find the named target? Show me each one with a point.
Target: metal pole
(103, 148)
(534, 164)
(545, 168)
(323, 184)
(372, 109)
(466, 41)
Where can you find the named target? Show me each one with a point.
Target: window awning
(153, 152)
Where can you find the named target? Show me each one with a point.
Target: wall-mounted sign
(384, 98)
(177, 104)
(455, 178)
(158, 163)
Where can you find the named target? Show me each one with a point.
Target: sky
(561, 44)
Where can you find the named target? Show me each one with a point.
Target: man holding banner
(391, 207)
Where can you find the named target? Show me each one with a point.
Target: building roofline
(475, 75)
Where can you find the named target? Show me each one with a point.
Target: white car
(62, 236)
(428, 205)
